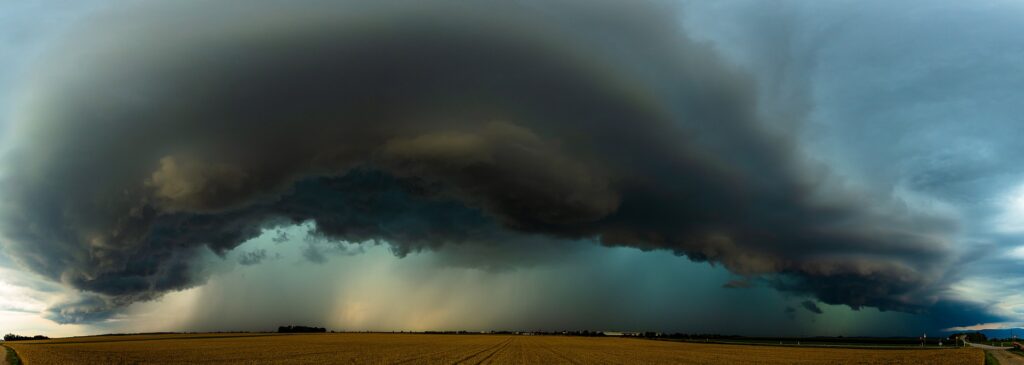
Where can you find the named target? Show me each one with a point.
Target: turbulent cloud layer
(144, 141)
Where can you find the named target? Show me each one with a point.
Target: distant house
(621, 334)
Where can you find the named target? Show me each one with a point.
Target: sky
(783, 168)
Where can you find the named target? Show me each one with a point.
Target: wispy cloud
(987, 326)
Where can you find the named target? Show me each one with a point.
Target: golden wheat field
(371, 348)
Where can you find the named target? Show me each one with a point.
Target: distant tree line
(14, 337)
(536, 333)
(701, 337)
(300, 329)
(584, 333)
(450, 333)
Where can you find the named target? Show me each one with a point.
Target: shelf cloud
(181, 129)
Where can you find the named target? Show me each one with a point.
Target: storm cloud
(148, 139)
(811, 307)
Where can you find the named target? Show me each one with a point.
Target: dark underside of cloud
(811, 307)
(180, 129)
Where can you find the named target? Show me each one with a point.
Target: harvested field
(373, 348)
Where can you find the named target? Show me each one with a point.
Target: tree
(976, 337)
(300, 329)
(14, 337)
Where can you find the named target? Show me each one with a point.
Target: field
(373, 348)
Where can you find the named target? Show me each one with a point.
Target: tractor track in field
(427, 355)
(560, 355)
(494, 349)
(487, 358)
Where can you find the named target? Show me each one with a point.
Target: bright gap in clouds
(1012, 218)
(23, 297)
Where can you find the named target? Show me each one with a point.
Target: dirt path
(987, 347)
(1006, 358)
(3, 355)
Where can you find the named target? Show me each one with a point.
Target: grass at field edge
(114, 338)
(990, 359)
(12, 357)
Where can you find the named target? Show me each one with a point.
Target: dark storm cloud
(253, 257)
(811, 307)
(318, 247)
(737, 284)
(157, 133)
(86, 308)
